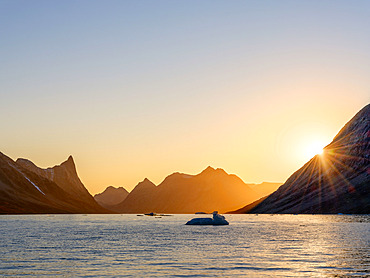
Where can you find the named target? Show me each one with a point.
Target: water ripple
(130, 246)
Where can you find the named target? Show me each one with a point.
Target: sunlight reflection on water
(133, 246)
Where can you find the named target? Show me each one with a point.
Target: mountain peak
(20, 190)
(146, 183)
(111, 190)
(69, 160)
(24, 161)
(69, 164)
(211, 171)
(111, 196)
(64, 175)
(110, 187)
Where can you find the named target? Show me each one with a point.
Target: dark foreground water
(133, 246)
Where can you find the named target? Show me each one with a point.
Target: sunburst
(329, 170)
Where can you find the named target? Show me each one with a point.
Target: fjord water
(143, 246)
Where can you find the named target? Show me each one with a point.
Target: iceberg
(216, 220)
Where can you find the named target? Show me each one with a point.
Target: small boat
(216, 220)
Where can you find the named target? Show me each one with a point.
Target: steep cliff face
(34, 190)
(336, 182)
(212, 189)
(111, 196)
(64, 175)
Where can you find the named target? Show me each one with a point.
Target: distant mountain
(212, 189)
(111, 196)
(336, 182)
(140, 200)
(26, 188)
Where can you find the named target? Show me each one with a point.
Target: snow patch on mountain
(38, 188)
(34, 185)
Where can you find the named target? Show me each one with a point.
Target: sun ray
(309, 179)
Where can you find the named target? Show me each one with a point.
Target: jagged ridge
(34, 190)
(212, 189)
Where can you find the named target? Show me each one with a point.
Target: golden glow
(314, 148)
(264, 143)
(328, 170)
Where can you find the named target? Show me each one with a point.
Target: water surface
(143, 246)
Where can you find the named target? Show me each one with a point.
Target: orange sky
(144, 89)
(257, 145)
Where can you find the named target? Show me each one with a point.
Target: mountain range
(212, 189)
(335, 182)
(26, 188)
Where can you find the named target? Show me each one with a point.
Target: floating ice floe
(153, 214)
(216, 220)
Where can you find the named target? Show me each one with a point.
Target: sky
(136, 89)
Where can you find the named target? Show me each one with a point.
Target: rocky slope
(212, 189)
(25, 188)
(64, 175)
(338, 181)
(111, 196)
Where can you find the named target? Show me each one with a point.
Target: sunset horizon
(184, 138)
(306, 152)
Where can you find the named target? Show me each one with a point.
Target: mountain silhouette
(140, 199)
(212, 189)
(111, 196)
(335, 182)
(64, 175)
(26, 188)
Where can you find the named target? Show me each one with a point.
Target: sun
(303, 141)
(313, 148)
